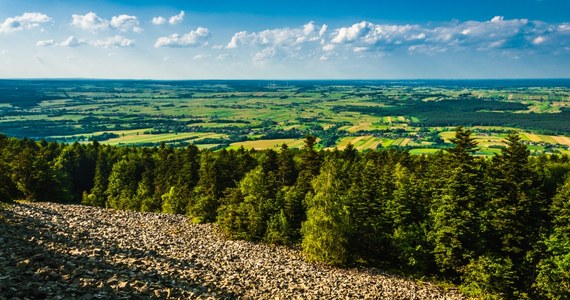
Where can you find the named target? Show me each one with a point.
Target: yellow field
(486, 141)
(157, 138)
(266, 144)
(532, 137)
(359, 127)
(359, 142)
(563, 140)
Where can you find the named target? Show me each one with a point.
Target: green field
(255, 114)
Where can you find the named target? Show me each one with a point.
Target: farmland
(414, 115)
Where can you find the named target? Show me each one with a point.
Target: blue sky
(223, 39)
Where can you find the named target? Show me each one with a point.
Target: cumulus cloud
(91, 22)
(177, 18)
(198, 37)
(366, 33)
(72, 42)
(125, 23)
(46, 43)
(114, 42)
(282, 37)
(498, 33)
(173, 20)
(495, 33)
(200, 56)
(265, 54)
(27, 20)
(538, 40)
(158, 20)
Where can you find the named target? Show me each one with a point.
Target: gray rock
(70, 251)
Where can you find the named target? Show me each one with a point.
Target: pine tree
(207, 192)
(287, 173)
(553, 280)
(103, 167)
(409, 213)
(371, 187)
(457, 211)
(509, 209)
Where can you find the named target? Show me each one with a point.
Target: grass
(268, 144)
(424, 151)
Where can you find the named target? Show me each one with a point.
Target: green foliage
(553, 280)
(325, 230)
(489, 277)
(456, 211)
(278, 229)
(206, 192)
(409, 215)
(123, 185)
(371, 187)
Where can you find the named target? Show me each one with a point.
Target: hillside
(53, 250)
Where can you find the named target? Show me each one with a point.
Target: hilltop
(53, 251)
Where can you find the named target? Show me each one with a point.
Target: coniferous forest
(499, 227)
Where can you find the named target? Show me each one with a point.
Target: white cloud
(497, 33)
(237, 40)
(198, 37)
(125, 23)
(90, 22)
(200, 56)
(114, 42)
(72, 42)
(177, 18)
(223, 56)
(264, 54)
(497, 36)
(27, 20)
(158, 20)
(564, 27)
(328, 47)
(538, 40)
(323, 30)
(366, 33)
(281, 37)
(173, 20)
(46, 43)
(360, 49)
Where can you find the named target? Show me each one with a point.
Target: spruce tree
(553, 280)
(457, 211)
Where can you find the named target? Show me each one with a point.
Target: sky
(271, 39)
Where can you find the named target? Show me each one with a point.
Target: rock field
(59, 251)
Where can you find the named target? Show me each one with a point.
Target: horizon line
(287, 79)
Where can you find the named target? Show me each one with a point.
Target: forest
(497, 227)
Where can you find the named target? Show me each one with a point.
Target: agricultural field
(420, 116)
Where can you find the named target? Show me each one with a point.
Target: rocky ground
(67, 251)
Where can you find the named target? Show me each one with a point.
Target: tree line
(499, 227)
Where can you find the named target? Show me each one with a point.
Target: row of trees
(499, 227)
